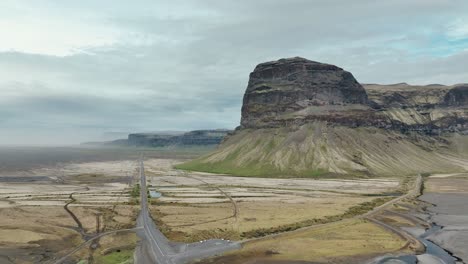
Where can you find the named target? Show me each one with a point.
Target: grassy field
(352, 237)
(122, 257)
(227, 167)
(113, 249)
(318, 150)
(196, 206)
(191, 214)
(255, 218)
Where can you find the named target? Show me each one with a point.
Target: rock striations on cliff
(457, 96)
(296, 91)
(305, 118)
(286, 87)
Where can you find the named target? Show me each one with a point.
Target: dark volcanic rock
(431, 109)
(290, 85)
(457, 96)
(197, 137)
(297, 91)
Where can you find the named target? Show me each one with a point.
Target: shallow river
(434, 253)
(447, 240)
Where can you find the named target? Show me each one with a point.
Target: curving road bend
(156, 248)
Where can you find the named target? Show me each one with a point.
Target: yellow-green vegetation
(319, 150)
(113, 249)
(395, 220)
(135, 192)
(120, 217)
(342, 239)
(192, 222)
(135, 195)
(351, 212)
(117, 257)
(92, 178)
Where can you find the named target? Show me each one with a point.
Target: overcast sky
(72, 71)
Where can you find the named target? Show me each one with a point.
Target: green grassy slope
(319, 150)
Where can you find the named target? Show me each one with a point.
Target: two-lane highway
(156, 248)
(155, 243)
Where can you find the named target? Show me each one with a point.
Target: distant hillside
(309, 119)
(166, 139)
(433, 109)
(197, 137)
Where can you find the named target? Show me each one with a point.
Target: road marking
(145, 215)
(152, 232)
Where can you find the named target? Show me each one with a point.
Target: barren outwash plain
(51, 211)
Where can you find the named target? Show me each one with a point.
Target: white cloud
(93, 66)
(458, 29)
(31, 29)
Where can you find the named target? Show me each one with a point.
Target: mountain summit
(302, 118)
(290, 86)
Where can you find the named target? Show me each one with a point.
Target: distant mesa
(167, 139)
(194, 138)
(302, 118)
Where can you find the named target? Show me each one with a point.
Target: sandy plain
(193, 206)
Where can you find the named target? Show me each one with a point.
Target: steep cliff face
(432, 109)
(457, 96)
(287, 88)
(304, 118)
(403, 95)
(296, 91)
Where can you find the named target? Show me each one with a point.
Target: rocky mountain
(197, 137)
(432, 109)
(458, 96)
(291, 88)
(296, 91)
(165, 139)
(305, 118)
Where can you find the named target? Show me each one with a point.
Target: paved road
(156, 248)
